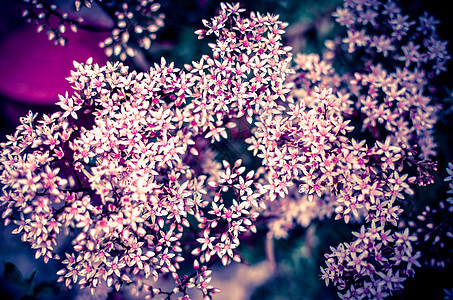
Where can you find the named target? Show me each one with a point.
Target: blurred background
(32, 74)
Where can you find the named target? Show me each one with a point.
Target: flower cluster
(310, 146)
(391, 98)
(374, 265)
(130, 186)
(50, 20)
(135, 23)
(381, 28)
(393, 95)
(388, 102)
(248, 70)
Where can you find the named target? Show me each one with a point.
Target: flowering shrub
(127, 168)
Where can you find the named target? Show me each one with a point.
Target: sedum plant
(127, 167)
(133, 24)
